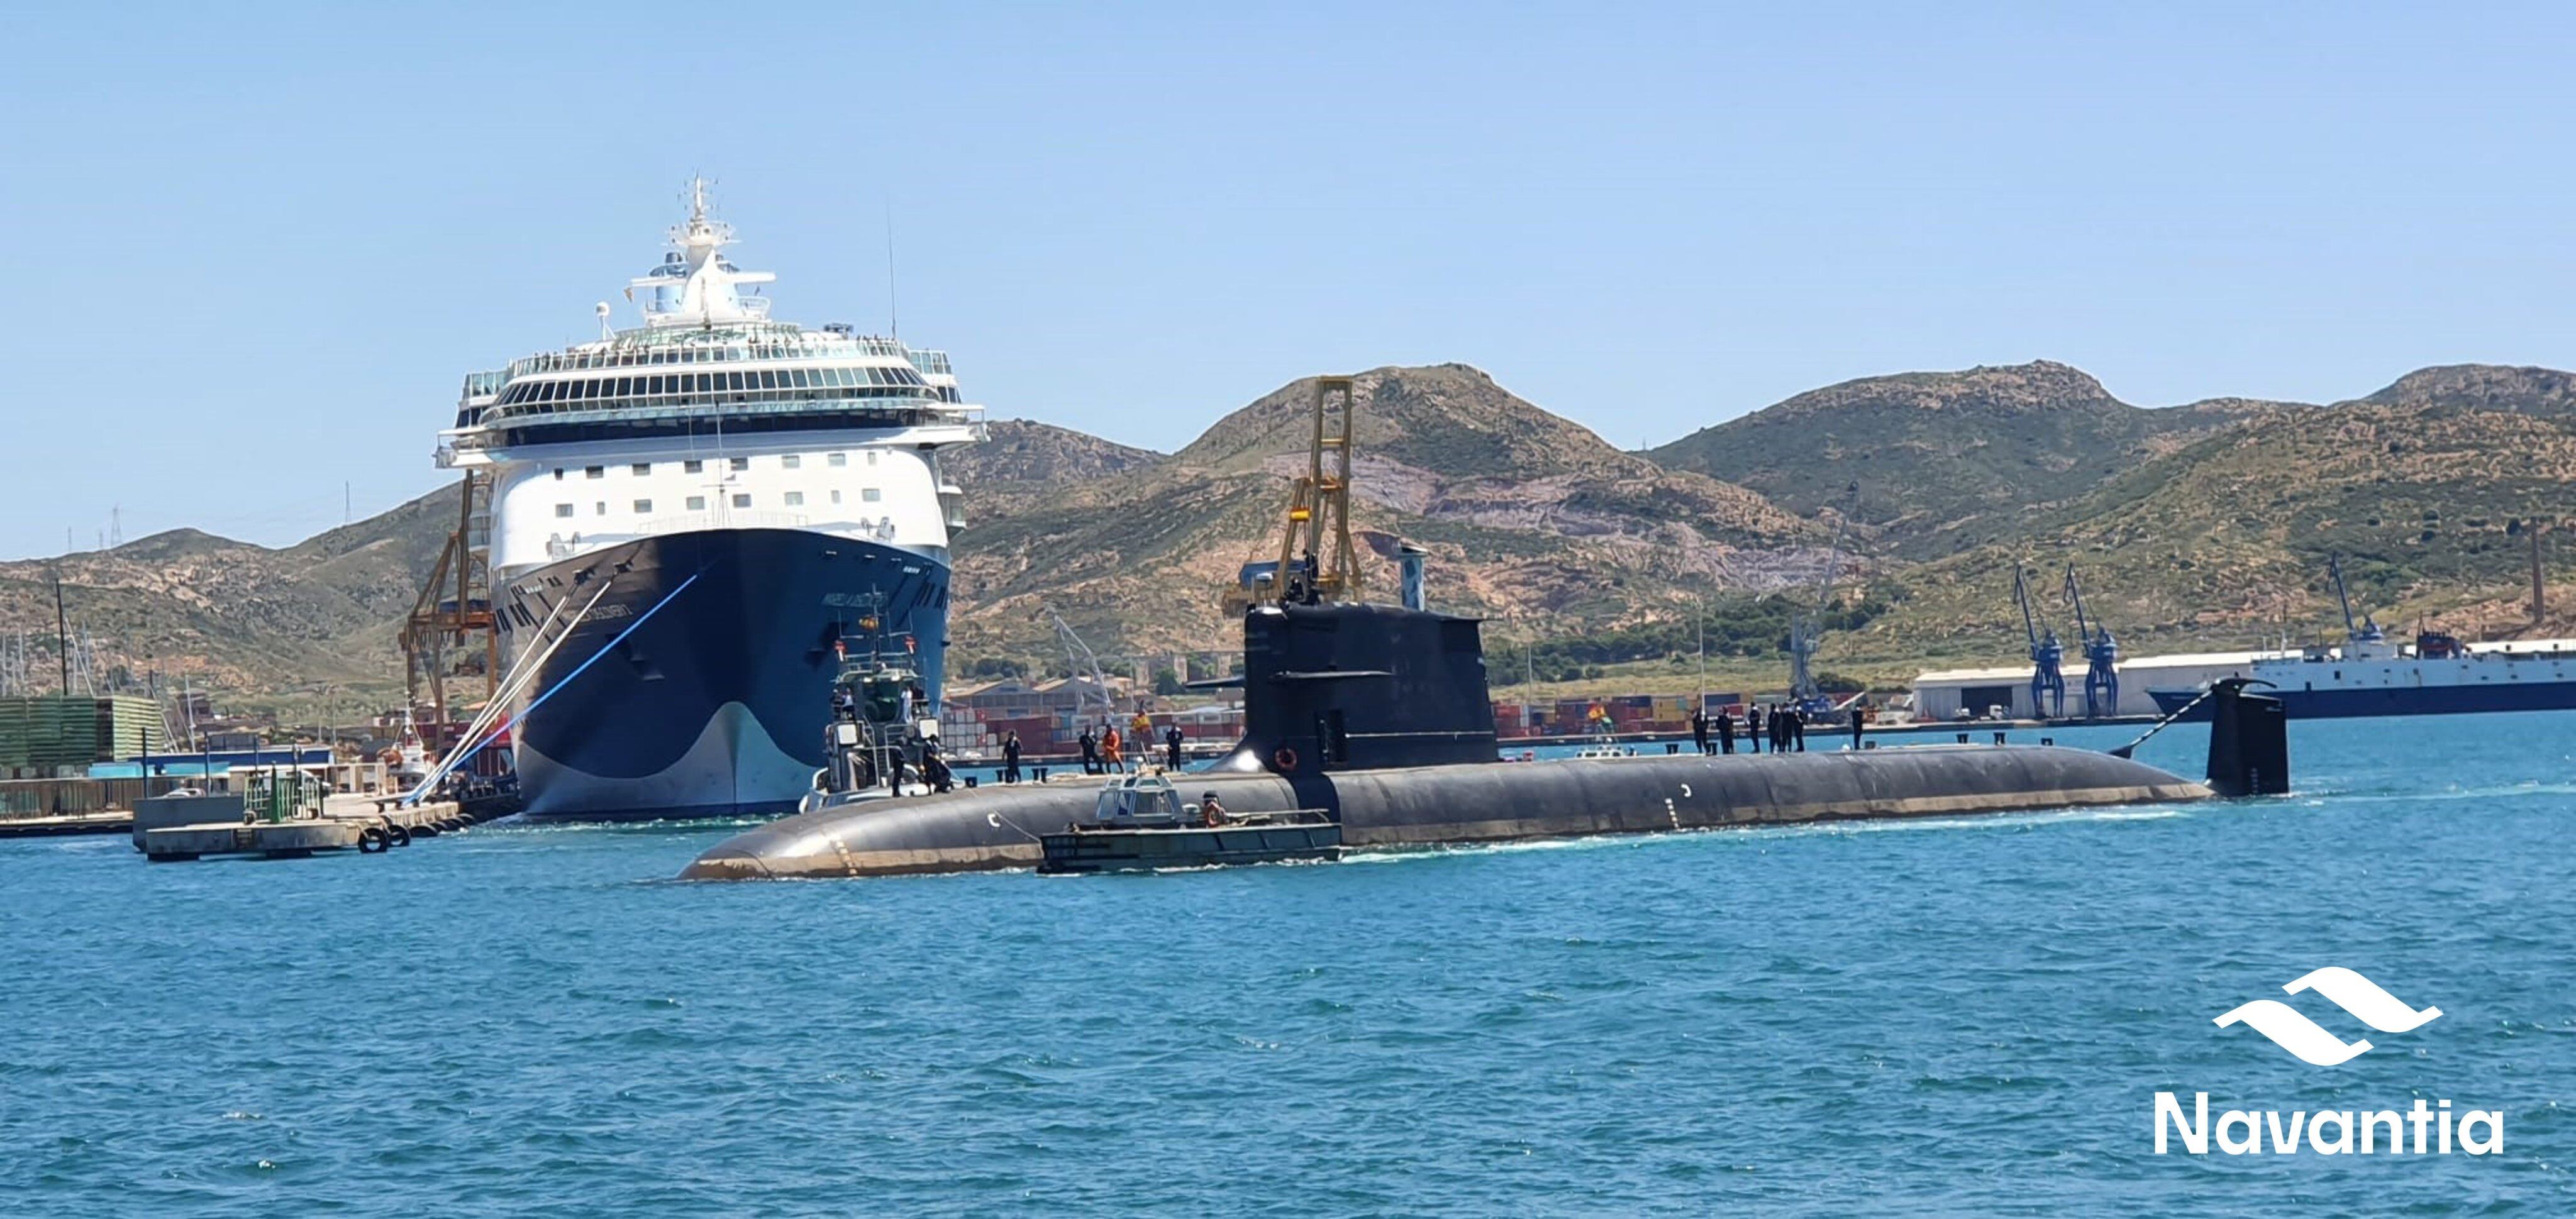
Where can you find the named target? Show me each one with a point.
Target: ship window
(870, 494)
(796, 379)
(769, 379)
(706, 382)
(594, 471)
(790, 462)
(741, 501)
(837, 460)
(641, 468)
(733, 380)
(740, 463)
(693, 467)
(876, 377)
(625, 386)
(563, 510)
(643, 505)
(795, 499)
(872, 457)
(836, 495)
(697, 503)
(599, 509)
(652, 385)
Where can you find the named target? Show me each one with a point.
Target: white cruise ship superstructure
(718, 503)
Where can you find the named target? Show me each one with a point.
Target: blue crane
(2047, 685)
(1807, 628)
(2101, 656)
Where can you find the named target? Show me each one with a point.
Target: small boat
(1141, 824)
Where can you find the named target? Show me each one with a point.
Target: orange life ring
(1284, 758)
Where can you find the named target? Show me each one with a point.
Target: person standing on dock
(1753, 726)
(1172, 746)
(1011, 758)
(1798, 729)
(1110, 757)
(1856, 725)
(1699, 728)
(1725, 732)
(1090, 753)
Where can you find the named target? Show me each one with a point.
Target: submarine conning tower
(1362, 687)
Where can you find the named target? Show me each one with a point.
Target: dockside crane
(2047, 655)
(1317, 560)
(2101, 656)
(2367, 630)
(1807, 630)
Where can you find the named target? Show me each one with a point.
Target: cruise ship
(691, 521)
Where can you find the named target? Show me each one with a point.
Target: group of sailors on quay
(1784, 725)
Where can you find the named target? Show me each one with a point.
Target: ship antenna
(894, 321)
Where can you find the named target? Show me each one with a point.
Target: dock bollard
(970, 782)
(1999, 738)
(1672, 747)
(2048, 740)
(1963, 738)
(1039, 773)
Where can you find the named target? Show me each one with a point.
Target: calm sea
(1965, 1016)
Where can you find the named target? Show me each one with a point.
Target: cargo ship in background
(2370, 674)
(690, 521)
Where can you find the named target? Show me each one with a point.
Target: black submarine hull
(1000, 827)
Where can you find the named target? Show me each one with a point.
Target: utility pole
(1703, 653)
(2539, 585)
(62, 638)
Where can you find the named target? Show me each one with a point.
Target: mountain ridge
(2198, 523)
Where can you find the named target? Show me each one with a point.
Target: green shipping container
(50, 731)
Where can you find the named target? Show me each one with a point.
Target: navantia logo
(2358, 996)
(2375, 1131)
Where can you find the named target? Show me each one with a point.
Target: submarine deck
(1002, 827)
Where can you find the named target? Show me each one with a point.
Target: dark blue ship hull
(700, 684)
(2468, 699)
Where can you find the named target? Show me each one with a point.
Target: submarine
(1377, 719)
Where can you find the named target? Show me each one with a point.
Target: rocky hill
(2529, 391)
(1948, 459)
(2225, 541)
(1022, 460)
(1531, 519)
(317, 619)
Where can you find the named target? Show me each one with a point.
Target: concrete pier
(178, 828)
(999, 827)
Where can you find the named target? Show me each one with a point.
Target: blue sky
(257, 246)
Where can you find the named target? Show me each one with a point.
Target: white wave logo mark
(2366, 1000)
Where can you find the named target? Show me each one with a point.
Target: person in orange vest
(1109, 759)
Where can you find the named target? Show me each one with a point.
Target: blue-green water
(1963, 1016)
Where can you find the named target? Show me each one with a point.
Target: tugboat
(1140, 824)
(879, 745)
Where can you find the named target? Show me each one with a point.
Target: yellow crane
(1317, 559)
